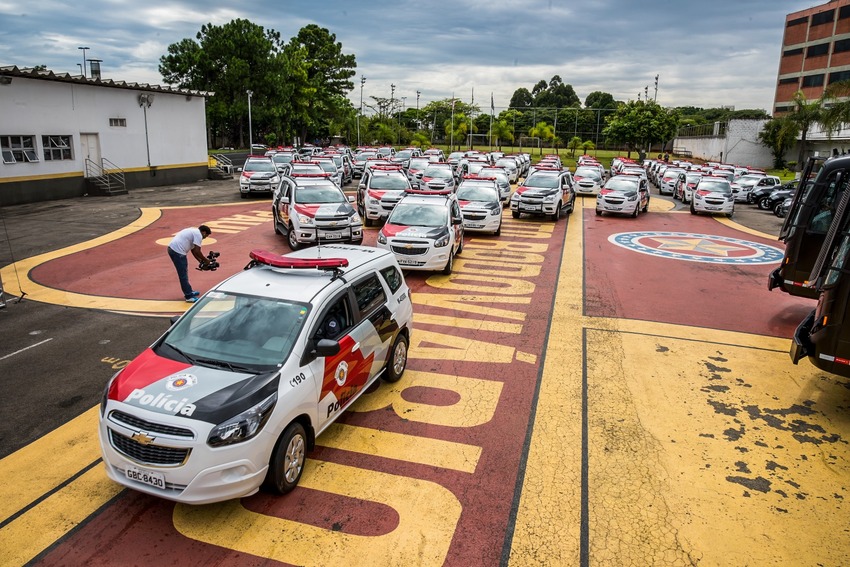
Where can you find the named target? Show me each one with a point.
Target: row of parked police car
(716, 187)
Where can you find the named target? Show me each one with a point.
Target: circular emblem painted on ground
(708, 248)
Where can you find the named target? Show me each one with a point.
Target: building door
(90, 148)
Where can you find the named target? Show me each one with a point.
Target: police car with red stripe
(424, 230)
(235, 393)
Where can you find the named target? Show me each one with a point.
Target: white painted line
(25, 348)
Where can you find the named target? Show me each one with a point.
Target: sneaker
(191, 299)
(196, 293)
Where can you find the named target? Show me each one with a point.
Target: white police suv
(424, 230)
(234, 394)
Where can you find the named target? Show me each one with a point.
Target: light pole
(362, 82)
(81, 68)
(84, 59)
(417, 108)
(250, 132)
(398, 134)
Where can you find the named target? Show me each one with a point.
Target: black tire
(572, 205)
(598, 213)
(287, 461)
(449, 265)
(645, 207)
(779, 210)
(276, 227)
(244, 195)
(637, 211)
(397, 361)
(291, 240)
(515, 214)
(764, 203)
(693, 210)
(498, 230)
(729, 215)
(557, 214)
(460, 246)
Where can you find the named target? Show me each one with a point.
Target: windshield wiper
(181, 353)
(224, 364)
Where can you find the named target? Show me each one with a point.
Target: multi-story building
(815, 52)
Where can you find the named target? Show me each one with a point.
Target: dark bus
(823, 335)
(806, 223)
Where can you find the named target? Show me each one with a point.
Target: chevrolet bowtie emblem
(143, 438)
(408, 246)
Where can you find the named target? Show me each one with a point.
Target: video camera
(213, 265)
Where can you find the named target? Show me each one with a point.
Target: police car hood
(404, 231)
(325, 209)
(480, 205)
(171, 387)
(535, 191)
(261, 174)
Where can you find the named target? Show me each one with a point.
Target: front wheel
(398, 360)
(287, 462)
(693, 210)
(636, 211)
(764, 203)
(557, 214)
(598, 213)
(449, 265)
(515, 214)
(292, 239)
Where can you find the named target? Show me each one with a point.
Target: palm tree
(836, 106)
(805, 115)
(543, 131)
(501, 130)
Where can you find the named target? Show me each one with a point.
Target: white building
(65, 135)
(735, 141)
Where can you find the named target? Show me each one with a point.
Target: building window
(839, 76)
(844, 12)
(56, 147)
(782, 109)
(841, 45)
(823, 17)
(813, 81)
(122, 122)
(790, 52)
(798, 21)
(819, 49)
(18, 149)
(791, 81)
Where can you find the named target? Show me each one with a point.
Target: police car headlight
(243, 426)
(275, 179)
(304, 220)
(355, 219)
(515, 197)
(496, 213)
(372, 201)
(381, 238)
(549, 199)
(105, 396)
(441, 242)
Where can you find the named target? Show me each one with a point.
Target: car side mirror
(322, 347)
(239, 169)
(174, 319)
(456, 221)
(284, 200)
(351, 198)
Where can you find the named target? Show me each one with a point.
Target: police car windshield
(328, 165)
(544, 180)
(313, 194)
(716, 186)
(282, 158)
(403, 154)
(239, 332)
(591, 172)
(438, 171)
(418, 214)
(623, 183)
(419, 163)
(259, 165)
(476, 192)
(395, 182)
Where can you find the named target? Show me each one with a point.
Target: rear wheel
(287, 462)
(398, 360)
(764, 203)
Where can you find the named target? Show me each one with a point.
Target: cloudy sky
(707, 54)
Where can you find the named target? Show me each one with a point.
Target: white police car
(234, 394)
(478, 198)
(424, 231)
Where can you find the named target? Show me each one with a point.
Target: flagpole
(469, 121)
(492, 110)
(452, 137)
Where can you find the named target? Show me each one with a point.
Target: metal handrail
(107, 178)
(223, 163)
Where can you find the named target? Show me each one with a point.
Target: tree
(521, 99)
(501, 131)
(779, 134)
(543, 131)
(600, 100)
(555, 95)
(638, 124)
(329, 71)
(836, 111)
(573, 145)
(804, 115)
(229, 60)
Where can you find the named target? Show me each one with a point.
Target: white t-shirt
(185, 240)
